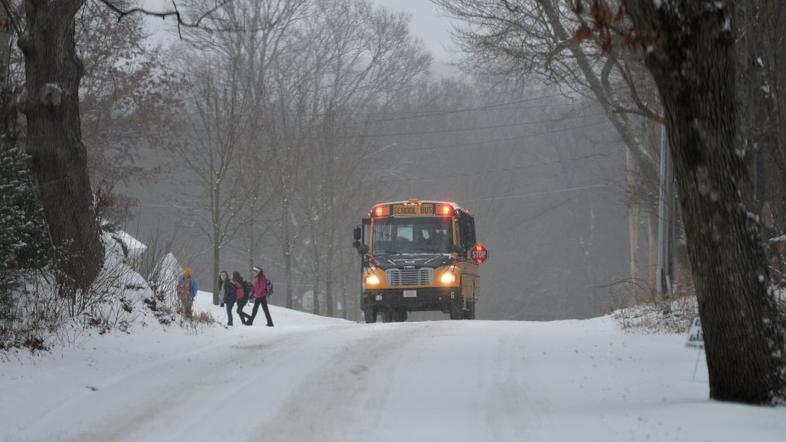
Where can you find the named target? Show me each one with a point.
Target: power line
(532, 194)
(500, 106)
(417, 114)
(468, 129)
(492, 171)
(497, 140)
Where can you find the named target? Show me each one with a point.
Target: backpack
(268, 287)
(240, 290)
(184, 288)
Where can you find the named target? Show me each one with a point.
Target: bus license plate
(410, 293)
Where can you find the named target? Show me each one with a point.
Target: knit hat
(256, 269)
(187, 271)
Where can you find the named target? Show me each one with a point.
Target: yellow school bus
(419, 256)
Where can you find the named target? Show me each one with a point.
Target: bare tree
(218, 124)
(368, 58)
(544, 40)
(241, 56)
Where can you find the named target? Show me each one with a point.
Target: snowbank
(666, 316)
(45, 318)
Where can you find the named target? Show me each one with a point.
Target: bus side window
(467, 228)
(366, 226)
(471, 232)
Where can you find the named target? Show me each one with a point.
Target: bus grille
(405, 277)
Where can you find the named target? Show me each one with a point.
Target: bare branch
(175, 12)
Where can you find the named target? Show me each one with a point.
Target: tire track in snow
(344, 399)
(128, 406)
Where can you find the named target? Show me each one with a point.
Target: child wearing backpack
(227, 294)
(242, 294)
(186, 292)
(261, 290)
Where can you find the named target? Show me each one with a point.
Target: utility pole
(663, 282)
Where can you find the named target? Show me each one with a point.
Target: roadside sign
(696, 335)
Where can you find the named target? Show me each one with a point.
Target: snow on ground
(319, 379)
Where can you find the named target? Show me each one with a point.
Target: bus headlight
(372, 279)
(448, 278)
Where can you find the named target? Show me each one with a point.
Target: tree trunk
(344, 300)
(633, 226)
(652, 250)
(59, 160)
(252, 242)
(215, 197)
(8, 134)
(287, 247)
(330, 184)
(692, 61)
(315, 307)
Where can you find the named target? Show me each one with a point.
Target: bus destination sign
(413, 209)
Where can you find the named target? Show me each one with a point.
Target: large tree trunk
(691, 58)
(53, 72)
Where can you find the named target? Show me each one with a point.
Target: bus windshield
(412, 235)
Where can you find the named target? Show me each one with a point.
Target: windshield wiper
(386, 252)
(422, 249)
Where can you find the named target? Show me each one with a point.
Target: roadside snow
(318, 379)
(134, 247)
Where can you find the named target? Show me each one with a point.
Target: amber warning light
(380, 211)
(479, 254)
(444, 210)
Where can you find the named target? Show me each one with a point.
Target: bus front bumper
(413, 300)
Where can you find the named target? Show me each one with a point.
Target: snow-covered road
(317, 379)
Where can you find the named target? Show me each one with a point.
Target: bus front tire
(387, 316)
(370, 315)
(470, 312)
(456, 309)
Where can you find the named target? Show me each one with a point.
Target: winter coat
(230, 293)
(260, 287)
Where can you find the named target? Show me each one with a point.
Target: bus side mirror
(358, 235)
(458, 249)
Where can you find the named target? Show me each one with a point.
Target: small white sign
(410, 293)
(696, 335)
